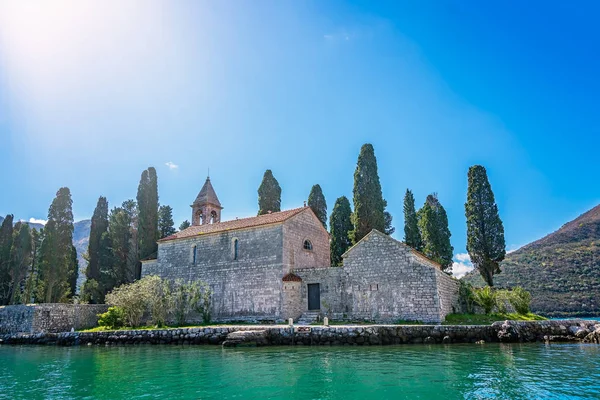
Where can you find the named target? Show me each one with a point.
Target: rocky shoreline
(230, 336)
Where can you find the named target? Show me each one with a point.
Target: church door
(314, 296)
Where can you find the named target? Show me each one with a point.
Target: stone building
(277, 266)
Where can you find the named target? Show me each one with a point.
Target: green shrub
(201, 297)
(486, 298)
(520, 299)
(112, 319)
(465, 296)
(502, 300)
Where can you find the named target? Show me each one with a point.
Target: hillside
(81, 238)
(561, 270)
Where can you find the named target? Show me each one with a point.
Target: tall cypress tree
(6, 239)
(20, 259)
(369, 205)
(433, 225)
(73, 272)
(99, 226)
(340, 224)
(56, 253)
(412, 235)
(32, 274)
(147, 201)
(133, 261)
(316, 201)
(269, 194)
(166, 226)
(485, 231)
(387, 217)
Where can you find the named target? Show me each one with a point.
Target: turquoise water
(519, 371)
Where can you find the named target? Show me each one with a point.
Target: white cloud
(171, 165)
(37, 221)
(462, 265)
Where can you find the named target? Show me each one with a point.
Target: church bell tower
(206, 209)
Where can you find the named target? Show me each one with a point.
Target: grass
(156, 328)
(487, 319)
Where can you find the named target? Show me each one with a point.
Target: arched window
(200, 218)
(194, 254)
(236, 244)
(213, 217)
(307, 245)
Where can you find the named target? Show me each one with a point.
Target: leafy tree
(118, 269)
(56, 253)
(485, 231)
(20, 259)
(412, 235)
(316, 201)
(369, 205)
(269, 194)
(6, 239)
(73, 271)
(184, 225)
(31, 283)
(166, 226)
(99, 226)
(389, 229)
(147, 201)
(433, 224)
(341, 226)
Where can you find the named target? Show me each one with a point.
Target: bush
(465, 296)
(133, 299)
(112, 319)
(181, 301)
(201, 300)
(520, 299)
(486, 298)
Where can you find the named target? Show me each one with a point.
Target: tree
(73, 271)
(369, 205)
(20, 259)
(269, 194)
(316, 201)
(32, 277)
(340, 224)
(485, 231)
(147, 201)
(166, 226)
(56, 253)
(433, 225)
(133, 261)
(184, 225)
(412, 235)
(388, 229)
(6, 239)
(99, 226)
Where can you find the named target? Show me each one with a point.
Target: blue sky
(91, 93)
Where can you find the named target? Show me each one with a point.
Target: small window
(194, 253)
(307, 245)
(235, 249)
(213, 217)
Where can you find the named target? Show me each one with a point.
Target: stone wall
(305, 226)
(447, 288)
(36, 318)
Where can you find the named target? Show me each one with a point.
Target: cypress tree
(6, 239)
(435, 233)
(269, 194)
(20, 259)
(316, 201)
(412, 235)
(369, 205)
(485, 231)
(184, 225)
(340, 224)
(133, 261)
(99, 226)
(73, 271)
(31, 283)
(56, 253)
(125, 256)
(147, 201)
(166, 226)
(387, 217)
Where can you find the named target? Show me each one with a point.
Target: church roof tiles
(265, 219)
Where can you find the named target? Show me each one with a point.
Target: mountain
(561, 270)
(81, 239)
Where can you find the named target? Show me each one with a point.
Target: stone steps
(308, 318)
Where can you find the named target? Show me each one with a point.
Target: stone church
(277, 266)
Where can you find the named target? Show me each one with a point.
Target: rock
(508, 333)
(447, 340)
(244, 338)
(581, 333)
(480, 342)
(429, 340)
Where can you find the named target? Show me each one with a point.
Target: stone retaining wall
(37, 318)
(509, 331)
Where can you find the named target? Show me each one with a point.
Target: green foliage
(6, 239)
(147, 201)
(269, 194)
(388, 228)
(133, 299)
(488, 319)
(340, 223)
(486, 298)
(201, 297)
(90, 292)
(99, 226)
(465, 296)
(166, 226)
(435, 233)
(57, 267)
(184, 225)
(316, 201)
(412, 235)
(485, 231)
(369, 205)
(520, 299)
(112, 319)
(20, 259)
(181, 301)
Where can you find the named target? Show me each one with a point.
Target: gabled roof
(291, 277)
(265, 219)
(207, 195)
(416, 253)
